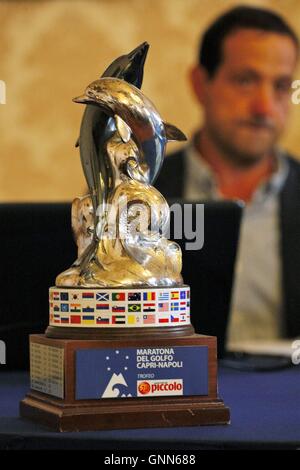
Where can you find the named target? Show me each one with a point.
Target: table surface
(265, 413)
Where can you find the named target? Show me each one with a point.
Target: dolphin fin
(123, 128)
(173, 133)
(77, 143)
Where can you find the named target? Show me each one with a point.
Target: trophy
(120, 351)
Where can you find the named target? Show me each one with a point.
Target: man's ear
(198, 79)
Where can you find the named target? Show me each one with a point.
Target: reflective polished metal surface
(120, 226)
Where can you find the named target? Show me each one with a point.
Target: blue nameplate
(141, 372)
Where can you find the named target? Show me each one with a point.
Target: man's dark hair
(241, 17)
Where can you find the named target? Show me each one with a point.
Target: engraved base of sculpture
(79, 385)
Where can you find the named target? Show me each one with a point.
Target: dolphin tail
(129, 67)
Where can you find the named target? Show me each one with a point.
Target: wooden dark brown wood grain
(69, 414)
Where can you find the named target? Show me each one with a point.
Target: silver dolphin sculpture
(132, 148)
(134, 114)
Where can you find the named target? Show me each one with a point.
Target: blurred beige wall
(50, 50)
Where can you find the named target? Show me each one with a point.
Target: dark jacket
(171, 184)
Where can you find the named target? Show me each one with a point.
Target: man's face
(246, 102)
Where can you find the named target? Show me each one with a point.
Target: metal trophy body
(120, 351)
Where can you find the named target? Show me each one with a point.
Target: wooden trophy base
(66, 392)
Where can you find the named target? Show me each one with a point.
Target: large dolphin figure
(96, 125)
(96, 128)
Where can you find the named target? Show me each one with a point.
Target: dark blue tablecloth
(265, 413)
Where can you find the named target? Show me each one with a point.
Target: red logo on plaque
(144, 388)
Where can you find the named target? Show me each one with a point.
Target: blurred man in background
(242, 81)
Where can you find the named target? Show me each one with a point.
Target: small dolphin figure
(136, 116)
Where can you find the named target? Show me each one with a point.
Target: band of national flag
(100, 308)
